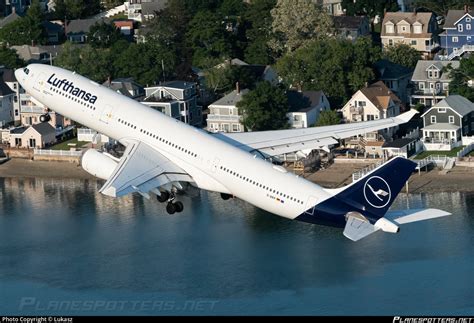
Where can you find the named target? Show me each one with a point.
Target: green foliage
(369, 7)
(102, 35)
(402, 54)
(338, 67)
(109, 4)
(328, 118)
(207, 37)
(441, 7)
(264, 108)
(27, 30)
(259, 27)
(74, 9)
(297, 22)
(420, 107)
(460, 77)
(9, 58)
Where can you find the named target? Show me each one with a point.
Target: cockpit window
(26, 71)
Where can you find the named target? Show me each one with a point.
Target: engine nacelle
(98, 164)
(386, 225)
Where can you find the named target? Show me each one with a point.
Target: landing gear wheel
(171, 208)
(179, 206)
(163, 197)
(45, 117)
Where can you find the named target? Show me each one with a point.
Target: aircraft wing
(279, 142)
(142, 169)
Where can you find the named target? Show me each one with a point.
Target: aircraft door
(310, 204)
(106, 113)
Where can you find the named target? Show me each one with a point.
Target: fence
(361, 173)
(466, 150)
(51, 152)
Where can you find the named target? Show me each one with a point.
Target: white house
(305, 107)
(224, 115)
(6, 103)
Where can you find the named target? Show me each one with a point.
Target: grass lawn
(451, 153)
(64, 145)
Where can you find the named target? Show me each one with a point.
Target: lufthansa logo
(377, 192)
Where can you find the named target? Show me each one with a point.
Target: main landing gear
(173, 206)
(45, 117)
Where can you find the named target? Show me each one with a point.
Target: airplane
(163, 154)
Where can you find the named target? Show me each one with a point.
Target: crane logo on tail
(377, 192)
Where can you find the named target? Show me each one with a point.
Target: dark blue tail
(370, 196)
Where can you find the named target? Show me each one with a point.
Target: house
(10, 18)
(127, 87)
(351, 27)
(373, 148)
(373, 102)
(224, 115)
(77, 30)
(448, 124)
(34, 54)
(175, 93)
(10, 80)
(125, 27)
(31, 110)
(305, 107)
(457, 37)
(430, 81)
(37, 136)
(405, 147)
(417, 29)
(333, 7)
(6, 104)
(259, 72)
(15, 6)
(143, 10)
(54, 31)
(395, 76)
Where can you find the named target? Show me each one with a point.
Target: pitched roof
(8, 75)
(44, 128)
(388, 70)
(83, 25)
(420, 70)
(52, 27)
(398, 143)
(379, 94)
(178, 84)
(303, 101)
(349, 22)
(149, 8)
(9, 19)
(458, 103)
(5, 89)
(18, 130)
(453, 16)
(410, 17)
(27, 52)
(231, 99)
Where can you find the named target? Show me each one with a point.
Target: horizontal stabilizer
(357, 228)
(408, 216)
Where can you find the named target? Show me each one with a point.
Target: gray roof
(83, 25)
(149, 8)
(178, 84)
(388, 70)
(44, 128)
(303, 101)
(8, 75)
(398, 143)
(18, 130)
(420, 70)
(52, 27)
(348, 22)
(453, 16)
(441, 126)
(458, 103)
(410, 17)
(5, 89)
(8, 19)
(125, 85)
(231, 99)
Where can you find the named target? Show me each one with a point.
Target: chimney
(237, 87)
(109, 80)
(13, 9)
(466, 8)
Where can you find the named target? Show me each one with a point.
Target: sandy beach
(459, 179)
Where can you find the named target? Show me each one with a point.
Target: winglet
(405, 117)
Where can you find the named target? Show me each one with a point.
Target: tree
(328, 118)
(461, 77)
(9, 58)
(402, 54)
(109, 4)
(69, 58)
(74, 9)
(370, 8)
(102, 35)
(264, 108)
(206, 37)
(258, 22)
(296, 22)
(441, 7)
(28, 30)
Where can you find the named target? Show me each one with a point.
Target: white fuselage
(212, 163)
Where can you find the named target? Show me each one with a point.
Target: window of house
(235, 127)
(442, 110)
(361, 103)
(455, 39)
(433, 119)
(468, 27)
(451, 119)
(413, 42)
(404, 29)
(445, 86)
(389, 28)
(460, 27)
(417, 29)
(390, 42)
(468, 19)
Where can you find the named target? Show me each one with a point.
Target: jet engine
(98, 164)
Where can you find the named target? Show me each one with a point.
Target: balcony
(429, 92)
(356, 110)
(32, 109)
(218, 117)
(431, 47)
